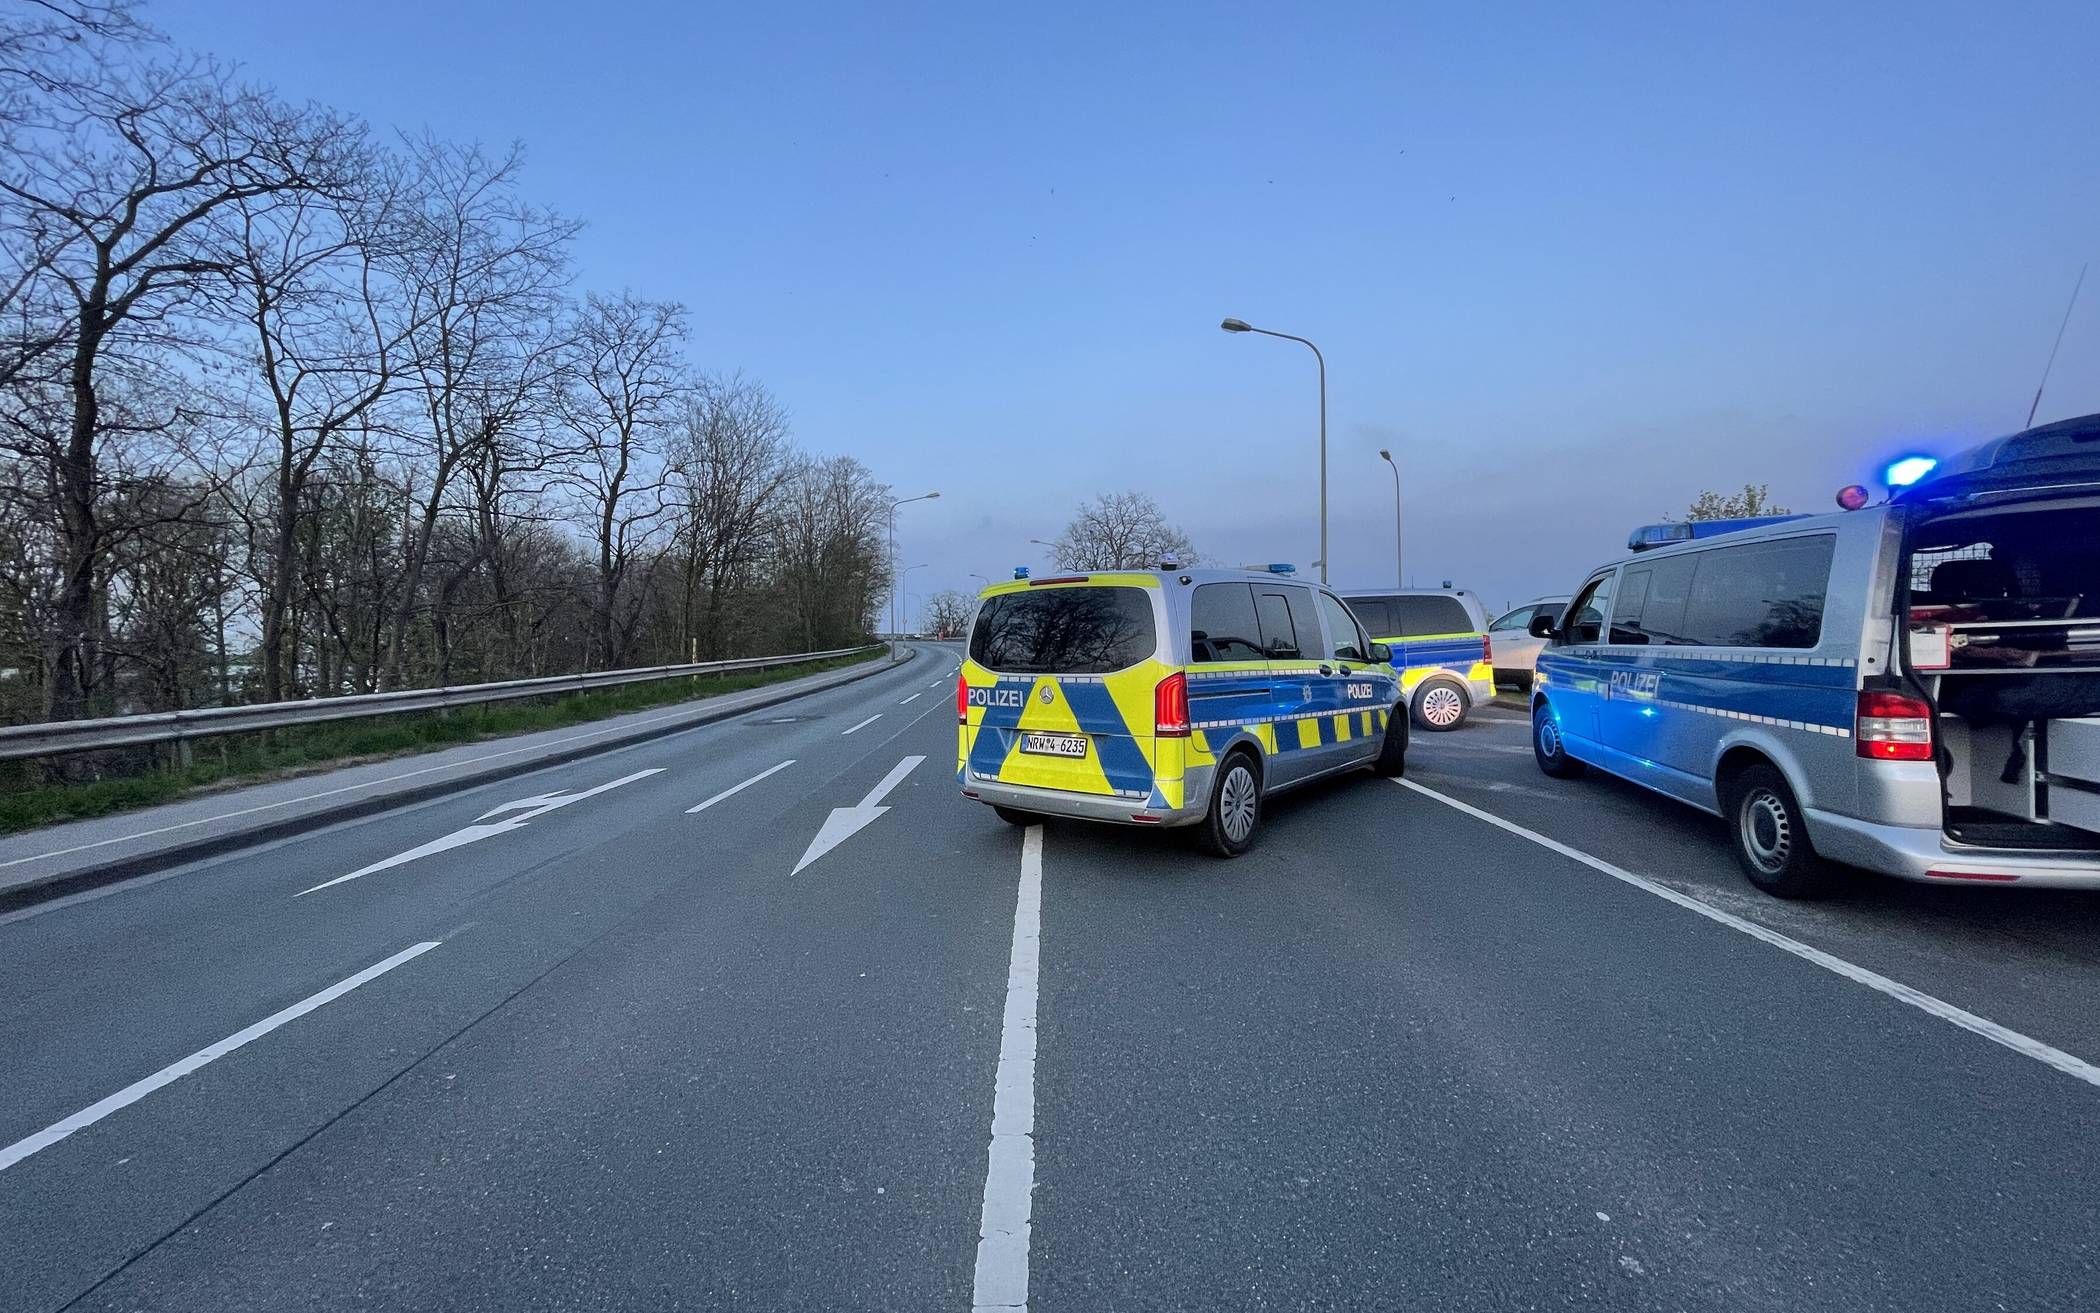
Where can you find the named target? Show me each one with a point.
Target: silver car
(1516, 650)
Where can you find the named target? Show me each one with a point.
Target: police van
(1169, 697)
(1911, 687)
(1440, 647)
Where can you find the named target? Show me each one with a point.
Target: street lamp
(904, 596)
(1400, 575)
(1242, 326)
(906, 501)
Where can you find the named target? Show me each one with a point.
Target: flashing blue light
(1020, 572)
(1280, 567)
(1903, 473)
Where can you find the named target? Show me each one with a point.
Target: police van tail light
(962, 700)
(1893, 727)
(1170, 707)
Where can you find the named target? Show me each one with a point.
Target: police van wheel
(1440, 704)
(1014, 815)
(1392, 752)
(1771, 843)
(1235, 807)
(1546, 745)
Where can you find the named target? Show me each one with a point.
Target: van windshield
(1064, 631)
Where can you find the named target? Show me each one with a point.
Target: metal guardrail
(61, 736)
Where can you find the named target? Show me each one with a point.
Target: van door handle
(1326, 669)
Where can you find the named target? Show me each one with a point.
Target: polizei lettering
(994, 696)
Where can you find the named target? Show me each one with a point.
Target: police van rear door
(1060, 682)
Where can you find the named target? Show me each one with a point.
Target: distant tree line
(291, 407)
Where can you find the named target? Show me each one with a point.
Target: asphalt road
(606, 1052)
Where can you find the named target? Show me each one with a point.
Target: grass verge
(235, 759)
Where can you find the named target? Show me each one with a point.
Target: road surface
(764, 1016)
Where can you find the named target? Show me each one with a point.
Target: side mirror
(1541, 626)
(1381, 655)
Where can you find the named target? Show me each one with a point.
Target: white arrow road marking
(845, 822)
(483, 828)
(176, 1070)
(735, 789)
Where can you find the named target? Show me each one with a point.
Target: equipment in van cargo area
(2004, 626)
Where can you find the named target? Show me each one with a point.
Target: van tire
(1440, 705)
(1392, 750)
(1230, 826)
(1547, 745)
(1770, 836)
(1014, 815)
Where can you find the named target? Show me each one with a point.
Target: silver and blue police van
(1911, 687)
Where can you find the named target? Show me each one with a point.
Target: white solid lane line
(484, 828)
(2048, 1055)
(1001, 1281)
(175, 1071)
(914, 696)
(735, 789)
(863, 725)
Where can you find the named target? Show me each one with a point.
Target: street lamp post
(1399, 574)
(906, 501)
(1242, 326)
(904, 595)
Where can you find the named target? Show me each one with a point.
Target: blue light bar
(1683, 531)
(1281, 567)
(1902, 473)
(1020, 572)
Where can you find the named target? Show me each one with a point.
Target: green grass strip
(235, 759)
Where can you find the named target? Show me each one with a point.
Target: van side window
(1279, 636)
(1760, 594)
(1626, 613)
(1376, 613)
(1306, 621)
(1345, 641)
(1586, 615)
(1661, 618)
(1222, 626)
(1426, 615)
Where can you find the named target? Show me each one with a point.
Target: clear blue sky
(1574, 263)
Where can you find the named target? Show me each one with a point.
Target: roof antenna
(2052, 348)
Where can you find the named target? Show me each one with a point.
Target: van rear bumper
(1095, 806)
(1916, 852)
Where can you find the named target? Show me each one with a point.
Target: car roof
(1407, 592)
(1151, 578)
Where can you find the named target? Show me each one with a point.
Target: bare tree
(114, 191)
(948, 612)
(1121, 531)
(828, 548)
(625, 384)
(482, 274)
(1754, 499)
(327, 329)
(730, 460)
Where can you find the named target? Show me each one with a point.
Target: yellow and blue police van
(1168, 697)
(1440, 646)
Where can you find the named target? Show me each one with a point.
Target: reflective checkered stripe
(1109, 710)
(1416, 659)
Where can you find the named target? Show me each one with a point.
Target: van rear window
(1064, 631)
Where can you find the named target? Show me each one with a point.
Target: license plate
(1054, 745)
